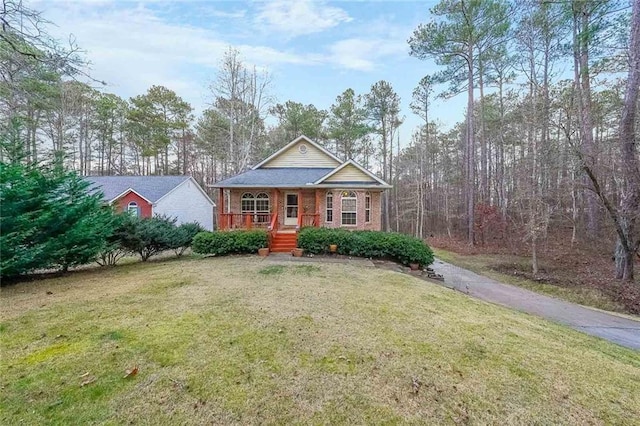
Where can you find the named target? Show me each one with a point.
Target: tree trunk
(470, 164)
(630, 204)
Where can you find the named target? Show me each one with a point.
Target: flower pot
(297, 252)
(263, 252)
(414, 266)
(333, 248)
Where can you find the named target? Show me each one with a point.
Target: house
(145, 196)
(300, 185)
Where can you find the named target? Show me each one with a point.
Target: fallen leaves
(131, 372)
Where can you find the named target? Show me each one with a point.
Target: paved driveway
(617, 329)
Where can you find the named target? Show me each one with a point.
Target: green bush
(229, 242)
(50, 219)
(183, 235)
(149, 236)
(373, 244)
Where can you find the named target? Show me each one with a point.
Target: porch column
(221, 225)
(300, 208)
(317, 219)
(275, 208)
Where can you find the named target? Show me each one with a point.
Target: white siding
(350, 174)
(188, 204)
(292, 157)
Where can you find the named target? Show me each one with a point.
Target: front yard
(240, 340)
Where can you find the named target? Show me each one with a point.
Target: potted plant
(297, 252)
(333, 248)
(263, 252)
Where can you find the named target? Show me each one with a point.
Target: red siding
(146, 210)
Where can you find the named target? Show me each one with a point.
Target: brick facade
(144, 208)
(309, 205)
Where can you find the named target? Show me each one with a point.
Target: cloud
(362, 54)
(132, 48)
(299, 17)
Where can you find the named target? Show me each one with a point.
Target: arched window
(247, 203)
(257, 205)
(329, 207)
(132, 209)
(349, 208)
(262, 207)
(367, 207)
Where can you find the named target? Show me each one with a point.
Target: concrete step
(281, 250)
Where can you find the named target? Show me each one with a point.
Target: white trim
(367, 194)
(190, 178)
(356, 165)
(355, 198)
(289, 145)
(123, 193)
(135, 205)
(337, 185)
(294, 220)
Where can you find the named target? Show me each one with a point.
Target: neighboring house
(145, 196)
(300, 185)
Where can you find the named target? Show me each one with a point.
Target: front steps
(284, 242)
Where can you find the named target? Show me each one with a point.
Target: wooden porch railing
(244, 220)
(272, 230)
(308, 219)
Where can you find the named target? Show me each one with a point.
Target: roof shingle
(275, 177)
(150, 187)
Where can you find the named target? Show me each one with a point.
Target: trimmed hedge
(373, 244)
(229, 242)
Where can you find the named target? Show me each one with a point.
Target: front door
(291, 208)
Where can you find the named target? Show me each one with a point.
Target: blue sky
(313, 50)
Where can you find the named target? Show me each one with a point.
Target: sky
(314, 50)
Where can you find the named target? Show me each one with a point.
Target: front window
(367, 207)
(262, 207)
(329, 207)
(349, 205)
(132, 209)
(247, 203)
(257, 205)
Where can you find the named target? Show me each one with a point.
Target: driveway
(617, 329)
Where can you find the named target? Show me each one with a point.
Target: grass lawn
(240, 340)
(486, 264)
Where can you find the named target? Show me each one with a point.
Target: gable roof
(151, 188)
(280, 177)
(350, 163)
(291, 144)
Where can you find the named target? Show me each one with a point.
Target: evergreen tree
(49, 217)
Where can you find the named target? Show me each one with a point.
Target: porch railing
(308, 219)
(244, 220)
(272, 230)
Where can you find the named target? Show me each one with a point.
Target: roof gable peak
(286, 150)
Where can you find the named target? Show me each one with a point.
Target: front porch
(268, 208)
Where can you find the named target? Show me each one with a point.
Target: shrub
(116, 247)
(373, 244)
(147, 237)
(182, 236)
(221, 243)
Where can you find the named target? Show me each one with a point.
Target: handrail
(274, 222)
(272, 230)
